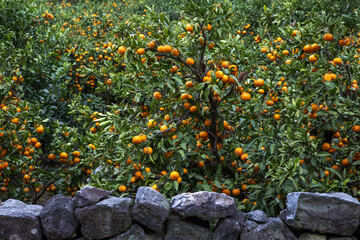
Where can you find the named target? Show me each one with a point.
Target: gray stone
(58, 218)
(186, 229)
(107, 218)
(335, 213)
(240, 217)
(150, 209)
(357, 233)
(273, 229)
(89, 195)
(19, 221)
(204, 205)
(136, 232)
(312, 236)
(227, 229)
(257, 216)
(150, 235)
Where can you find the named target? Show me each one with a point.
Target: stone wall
(95, 214)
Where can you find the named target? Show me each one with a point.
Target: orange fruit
(51, 156)
(326, 147)
(200, 164)
(151, 44)
(163, 128)
(122, 188)
(64, 155)
(138, 174)
(174, 175)
(226, 191)
(167, 48)
(175, 52)
(203, 134)
(219, 74)
(33, 141)
(157, 95)
(151, 123)
(285, 52)
(312, 58)
(179, 180)
(40, 129)
(140, 51)
(276, 116)
(245, 96)
(136, 139)
(193, 109)
(239, 151)
(236, 192)
(225, 64)
(269, 102)
(295, 32)
(147, 150)
(190, 61)
(185, 96)
(328, 37)
(189, 84)
(337, 60)
(189, 28)
(161, 49)
(233, 68)
(345, 162)
(307, 49)
(122, 50)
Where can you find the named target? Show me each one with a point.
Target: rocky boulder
(257, 216)
(227, 229)
(20, 221)
(186, 229)
(335, 213)
(204, 205)
(150, 209)
(312, 236)
(273, 228)
(89, 195)
(105, 219)
(58, 218)
(136, 232)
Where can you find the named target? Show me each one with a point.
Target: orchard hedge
(253, 99)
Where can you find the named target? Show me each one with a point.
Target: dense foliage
(254, 99)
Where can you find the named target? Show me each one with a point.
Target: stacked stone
(94, 214)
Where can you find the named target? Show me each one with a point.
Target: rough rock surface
(312, 236)
(89, 195)
(186, 229)
(150, 209)
(273, 229)
(335, 213)
(136, 232)
(204, 205)
(257, 216)
(107, 218)
(227, 229)
(20, 221)
(58, 218)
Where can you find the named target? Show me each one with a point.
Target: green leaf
(168, 186)
(176, 185)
